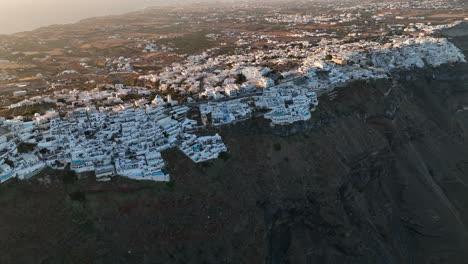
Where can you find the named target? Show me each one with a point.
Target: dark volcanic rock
(460, 30)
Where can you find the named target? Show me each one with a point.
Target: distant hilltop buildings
(327, 64)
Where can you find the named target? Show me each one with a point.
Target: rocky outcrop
(376, 177)
(460, 30)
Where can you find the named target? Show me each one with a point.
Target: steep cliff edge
(379, 175)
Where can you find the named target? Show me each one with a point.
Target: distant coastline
(32, 17)
(22, 15)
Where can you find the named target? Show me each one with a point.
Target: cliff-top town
(110, 103)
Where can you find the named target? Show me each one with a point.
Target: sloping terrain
(378, 176)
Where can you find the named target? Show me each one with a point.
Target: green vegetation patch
(171, 185)
(9, 163)
(69, 177)
(24, 147)
(224, 156)
(23, 45)
(191, 43)
(277, 147)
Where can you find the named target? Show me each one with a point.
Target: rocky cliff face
(379, 175)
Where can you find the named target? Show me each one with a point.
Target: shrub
(205, 164)
(170, 185)
(10, 163)
(224, 156)
(127, 83)
(43, 151)
(78, 196)
(240, 78)
(277, 146)
(69, 177)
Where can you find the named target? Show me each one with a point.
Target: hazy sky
(21, 15)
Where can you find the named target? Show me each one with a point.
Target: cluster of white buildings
(123, 140)
(67, 72)
(120, 65)
(364, 60)
(5, 77)
(33, 101)
(102, 95)
(429, 28)
(317, 33)
(151, 47)
(374, 7)
(287, 103)
(225, 112)
(327, 64)
(201, 149)
(306, 19)
(13, 163)
(207, 76)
